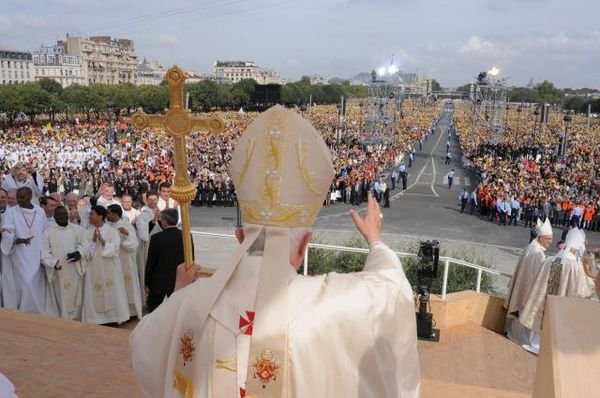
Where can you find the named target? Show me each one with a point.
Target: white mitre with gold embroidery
(282, 170)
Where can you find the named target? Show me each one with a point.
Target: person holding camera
(62, 245)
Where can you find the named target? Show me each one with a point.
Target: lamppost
(567, 120)
(536, 115)
(519, 110)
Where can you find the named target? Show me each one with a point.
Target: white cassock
(567, 279)
(23, 279)
(64, 291)
(35, 184)
(131, 214)
(104, 296)
(348, 335)
(128, 257)
(144, 234)
(171, 204)
(519, 287)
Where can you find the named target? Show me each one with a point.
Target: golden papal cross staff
(178, 123)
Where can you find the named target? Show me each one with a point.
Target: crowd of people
(111, 184)
(524, 172)
(77, 156)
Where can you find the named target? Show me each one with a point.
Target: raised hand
(369, 226)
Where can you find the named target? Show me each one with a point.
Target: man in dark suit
(165, 253)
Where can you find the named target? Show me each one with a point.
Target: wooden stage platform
(46, 358)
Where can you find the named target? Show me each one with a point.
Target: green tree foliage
(48, 97)
(459, 278)
(435, 85)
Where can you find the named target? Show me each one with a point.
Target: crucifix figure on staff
(179, 123)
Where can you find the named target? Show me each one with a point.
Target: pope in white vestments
(560, 275)
(521, 284)
(128, 257)
(256, 328)
(23, 279)
(104, 297)
(62, 248)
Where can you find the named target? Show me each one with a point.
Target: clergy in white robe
(560, 275)
(104, 296)
(165, 201)
(522, 281)
(62, 249)
(256, 327)
(147, 224)
(20, 177)
(23, 279)
(128, 257)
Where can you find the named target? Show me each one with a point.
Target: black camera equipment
(427, 271)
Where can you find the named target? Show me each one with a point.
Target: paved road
(427, 209)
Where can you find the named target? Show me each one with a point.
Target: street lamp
(519, 110)
(567, 120)
(536, 114)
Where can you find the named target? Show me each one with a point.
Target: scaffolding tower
(489, 98)
(380, 111)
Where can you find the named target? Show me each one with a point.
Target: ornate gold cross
(178, 123)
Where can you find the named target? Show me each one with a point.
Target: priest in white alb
(560, 275)
(62, 248)
(23, 279)
(256, 328)
(521, 284)
(104, 299)
(146, 224)
(128, 257)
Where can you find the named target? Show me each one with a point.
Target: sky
(452, 41)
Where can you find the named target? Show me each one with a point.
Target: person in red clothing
(588, 215)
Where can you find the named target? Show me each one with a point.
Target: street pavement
(427, 209)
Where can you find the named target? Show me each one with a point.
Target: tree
(51, 86)
(546, 92)
(34, 99)
(435, 85)
(152, 99)
(207, 95)
(10, 102)
(465, 88)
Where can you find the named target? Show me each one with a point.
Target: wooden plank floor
(469, 355)
(46, 358)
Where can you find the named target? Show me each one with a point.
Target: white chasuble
(23, 279)
(104, 298)
(519, 287)
(347, 335)
(64, 289)
(570, 280)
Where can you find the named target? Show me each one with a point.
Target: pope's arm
(384, 262)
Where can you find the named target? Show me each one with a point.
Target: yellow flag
(49, 126)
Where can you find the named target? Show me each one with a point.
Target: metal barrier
(447, 260)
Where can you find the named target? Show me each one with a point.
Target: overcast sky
(557, 40)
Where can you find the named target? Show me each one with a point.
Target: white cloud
(165, 39)
(477, 45)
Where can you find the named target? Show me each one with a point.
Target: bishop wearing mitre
(256, 328)
(522, 281)
(560, 275)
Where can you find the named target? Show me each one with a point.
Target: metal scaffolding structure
(489, 97)
(380, 111)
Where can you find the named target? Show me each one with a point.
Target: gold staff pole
(178, 122)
